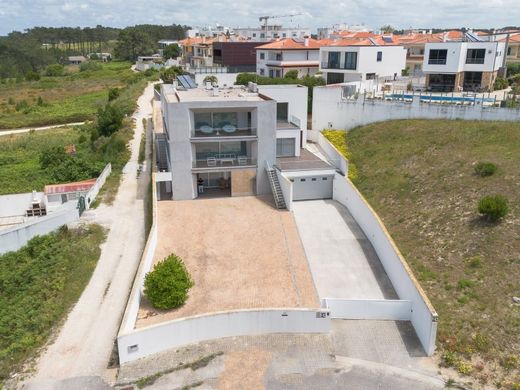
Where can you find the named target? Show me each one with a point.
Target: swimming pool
(436, 98)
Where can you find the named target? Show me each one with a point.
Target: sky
(22, 14)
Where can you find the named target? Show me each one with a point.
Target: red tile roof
(291, 44)
(84, 185)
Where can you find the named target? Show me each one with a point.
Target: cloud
(21, 14)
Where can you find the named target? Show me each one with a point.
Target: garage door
(312, 187)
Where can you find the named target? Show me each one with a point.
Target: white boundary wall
(17, 204)
(14, 238)
(146, 341)
(423, 316)
(330, 110)
(287, 188)
(331, 153)
(369, 309)
(94, 191)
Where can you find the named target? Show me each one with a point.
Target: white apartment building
(359, 61)
(270, 32)
(462, 66)
(276, 58)
(221, 140)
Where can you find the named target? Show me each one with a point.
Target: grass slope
(38, 285)
(419, 176)
(71, 98)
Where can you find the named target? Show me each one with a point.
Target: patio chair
(212, 161)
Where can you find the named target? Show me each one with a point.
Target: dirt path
(27, 129)
(84, 343)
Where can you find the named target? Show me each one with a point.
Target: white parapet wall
(331, 110)
(368, 309)
(14, 238)
(423, 315)
(94, 191)
(287, 188)
(331, 153)
(147, 341)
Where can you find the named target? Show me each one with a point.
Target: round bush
(493, 207)
(485, 169)
(166, 287)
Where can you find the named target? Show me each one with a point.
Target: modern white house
(276, 58)
(462, 66)
(220, 141)
(358, 61)
(269, 32)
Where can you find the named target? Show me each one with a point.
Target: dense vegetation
(38, 285)
(419, 175)
(167, 285)
(36, 48)
(72, 97)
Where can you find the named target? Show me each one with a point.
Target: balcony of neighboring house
(229, 155)
(223, 124)
(284, 121)
(343, 61)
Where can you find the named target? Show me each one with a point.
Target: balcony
(437, 61)
(474, 60)
(227, 131)
(221, 161)
(327, 65)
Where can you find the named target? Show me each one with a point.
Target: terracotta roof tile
(84, 185)
(291, 44)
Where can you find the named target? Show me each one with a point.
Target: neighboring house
(57, 194)
(273, 31)
(237, 56)
(155, 61)
(197, 51)
(462, 66)
(276, 58)
(163, 43)
(349, 60)
(104, 57)
(76, 60)
(223, 138)
(414, 44)
(513, 47)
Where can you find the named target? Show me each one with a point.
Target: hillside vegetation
(420, 177)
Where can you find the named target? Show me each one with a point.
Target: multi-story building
(462, 66)
(513, 47)
(267, 33)
(358, 61)
(236, 56)
(197, 51)
(223, 139)
(276, 58)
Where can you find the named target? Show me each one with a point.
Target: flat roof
(204, 95)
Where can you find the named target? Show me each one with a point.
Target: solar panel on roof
(388, 39)
(183, 82)
(190, 81)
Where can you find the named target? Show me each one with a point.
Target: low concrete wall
(330, 110)
(287, 188)
(14, 238)
(94, 191)
(369, 309)
(172, 334)
(17, 204)
(228, 79)
(331, 153)
(424, 317)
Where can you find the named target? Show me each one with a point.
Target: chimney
(306, 42)
(215, 91)
(444, 36)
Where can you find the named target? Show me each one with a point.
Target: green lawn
(71, 98)
(419, 176)
(38, 285)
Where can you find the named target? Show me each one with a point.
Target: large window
(282, 112)
(475, 56)
(437, 57)
(379, 56)
(285, 147)
(335, 78)
(350, 60)
(334, 59)
(262, 56)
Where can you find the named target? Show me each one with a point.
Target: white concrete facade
(227, 132)
(368, 62)
(276, 63)
(270, 32)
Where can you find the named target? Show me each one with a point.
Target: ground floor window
(285, 147)
(210, 180)
(442, 82)
(472, 81)
(335, 78)
(370, 76)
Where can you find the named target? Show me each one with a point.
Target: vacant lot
(419, 176)
(38, 285)
(241, 252)
(73, 97)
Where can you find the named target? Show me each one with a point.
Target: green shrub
(109, 120)
(166, 287)
(113, 93)
(54, 70)
(500, 83)
(493, 207)
(338, 138)
(210, 79)
(485, 169)
(90, 66)
(21, 105)
(292, 74)
(32, 76)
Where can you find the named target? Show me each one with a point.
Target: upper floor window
(278, 56)
(379, 56)
(475, 56)
(509, 51)
(254, 35)
(334, 59)
(437, 57)
(262, 56)
(350, 60)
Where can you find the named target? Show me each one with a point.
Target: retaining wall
(368, 309)
(94, 191)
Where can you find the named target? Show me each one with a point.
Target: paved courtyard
(342, 259)
(241, 253)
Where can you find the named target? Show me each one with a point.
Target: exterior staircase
(162, 153)
(275, 187)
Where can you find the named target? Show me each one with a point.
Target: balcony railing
(474, 60)
(327, 65)
(226, 131)
(225, 160)
(437, 61)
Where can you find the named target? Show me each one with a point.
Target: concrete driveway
(343, 262)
